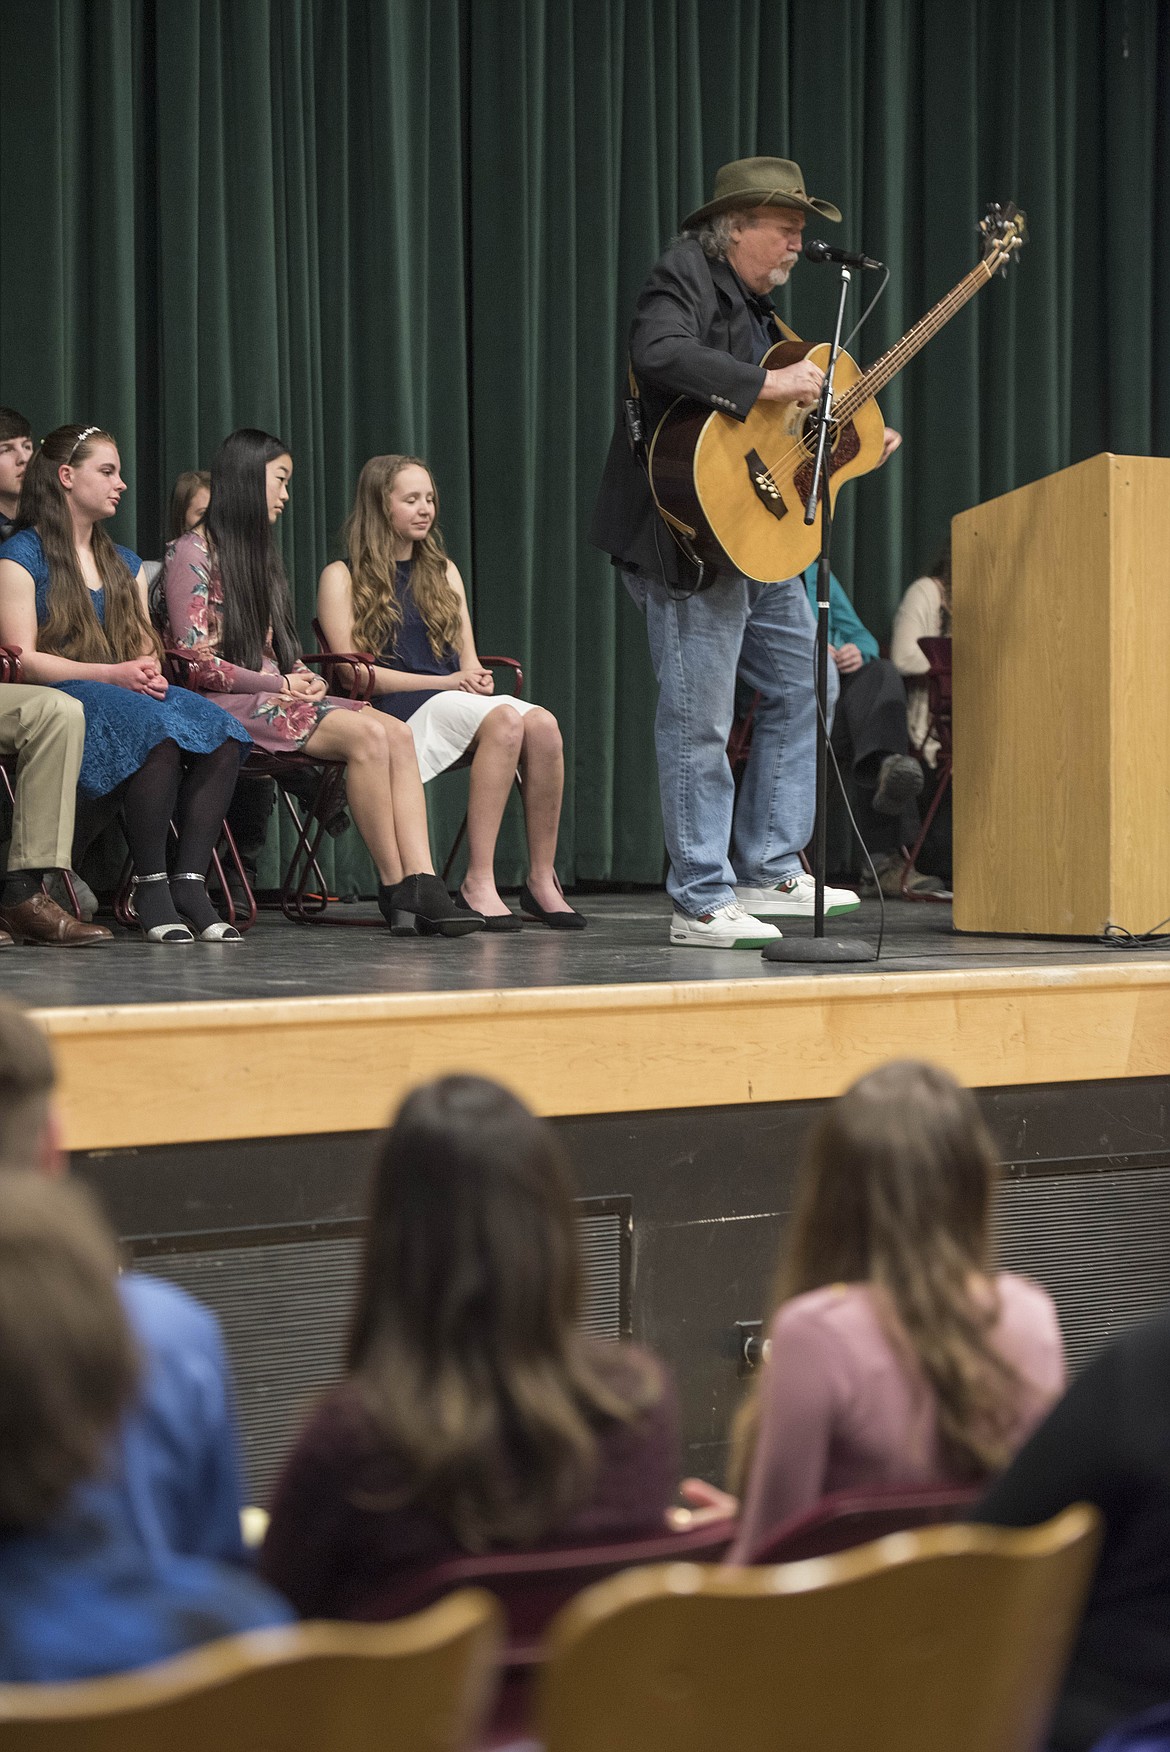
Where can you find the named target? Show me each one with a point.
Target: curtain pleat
(420, 225)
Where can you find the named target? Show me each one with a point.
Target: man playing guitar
(703, 322)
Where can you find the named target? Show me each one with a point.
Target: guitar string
(890, 363)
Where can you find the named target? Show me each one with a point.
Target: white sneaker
(794, 899)
(728, 927)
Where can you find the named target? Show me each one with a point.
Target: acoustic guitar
(733, 492)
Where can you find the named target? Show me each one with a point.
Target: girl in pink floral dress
(228, 606)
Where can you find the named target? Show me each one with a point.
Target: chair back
(850, 1518)
(948, 1638)
(422, 1685)
(533, 1586)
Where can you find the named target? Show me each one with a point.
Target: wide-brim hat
(760, 182)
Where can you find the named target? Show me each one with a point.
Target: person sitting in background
(475, 1416)
(229, 607)
(401, 598)
(77, 1598)
(870, 733)
(1108, 1443)
(75, 603)
(16, 447)
(174, 1482)
(923, 613)
(897, 1357)
(190, 498)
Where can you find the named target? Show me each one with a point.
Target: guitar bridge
(763, 485)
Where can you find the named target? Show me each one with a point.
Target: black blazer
(692, 335)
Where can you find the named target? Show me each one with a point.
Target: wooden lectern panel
(1061, 596)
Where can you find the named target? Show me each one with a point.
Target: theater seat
(422, 1685)
(948, 1639)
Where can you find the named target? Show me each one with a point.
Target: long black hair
(255, 589)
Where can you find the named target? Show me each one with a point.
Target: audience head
(465, 1344)
(249, 489)
(395, 516)
(189, 501)
(940, 566)
(16, 446)
(896, 1191)
(67, 1362)
(71, 487)
(30, 1132)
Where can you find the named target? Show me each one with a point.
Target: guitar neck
(880, 373)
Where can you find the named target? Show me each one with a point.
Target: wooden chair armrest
(358, 684)
(508, 663)
(179, 667)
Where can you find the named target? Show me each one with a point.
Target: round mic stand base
(818, 949)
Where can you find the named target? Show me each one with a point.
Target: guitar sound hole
(811, 432)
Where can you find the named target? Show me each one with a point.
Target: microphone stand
(820, 947)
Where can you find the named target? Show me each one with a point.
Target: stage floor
(627, 943)
(306, 1030)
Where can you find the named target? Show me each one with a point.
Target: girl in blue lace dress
(75, 603)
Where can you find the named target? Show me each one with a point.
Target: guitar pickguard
(843, 447)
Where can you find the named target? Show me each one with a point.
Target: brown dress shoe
(41, 920)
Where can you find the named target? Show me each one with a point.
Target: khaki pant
(46, 731)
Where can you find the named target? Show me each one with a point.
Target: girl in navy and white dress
(402, 598)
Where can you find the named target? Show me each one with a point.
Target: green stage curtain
(420, 225)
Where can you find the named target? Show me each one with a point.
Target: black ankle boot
(421, 904)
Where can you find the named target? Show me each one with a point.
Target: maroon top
(334, 1558)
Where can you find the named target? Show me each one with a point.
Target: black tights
(160, 792)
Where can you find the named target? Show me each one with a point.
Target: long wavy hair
(369, 539)
(256, 596)
(73, 629)
(465, 1346)
(895, 1192)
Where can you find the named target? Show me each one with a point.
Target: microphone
(828, 252)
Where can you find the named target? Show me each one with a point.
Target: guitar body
(735, 491)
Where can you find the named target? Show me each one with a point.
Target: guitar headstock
(1003, 230)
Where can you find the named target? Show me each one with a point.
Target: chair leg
(243, 921)
(944, 779)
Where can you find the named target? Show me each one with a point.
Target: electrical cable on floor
(1117, 937)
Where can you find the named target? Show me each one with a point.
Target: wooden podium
(1061, 595)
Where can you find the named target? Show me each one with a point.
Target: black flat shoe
(420, 905)
(491, 921)
(556, 921)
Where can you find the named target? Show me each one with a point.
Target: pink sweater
(842, 1409)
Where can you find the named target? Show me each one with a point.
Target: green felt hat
(760, 182)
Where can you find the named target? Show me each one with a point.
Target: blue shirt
(845, 625)
(77, 1601)
(174, 1481)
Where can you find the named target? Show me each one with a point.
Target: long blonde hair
(72, 628)
(895, 1191)
(369, 540)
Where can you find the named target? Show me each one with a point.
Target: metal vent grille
(284, 1304)
(1099, 1243)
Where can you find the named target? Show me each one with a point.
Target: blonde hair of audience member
(72, 628)
(369, 539)
(465, 1344)
(30, 1127)
(895, 1191)
(67, 1360)
(189, 502)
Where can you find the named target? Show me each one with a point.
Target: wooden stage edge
(156, 1074)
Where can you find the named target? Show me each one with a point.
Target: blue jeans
(766, 634)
